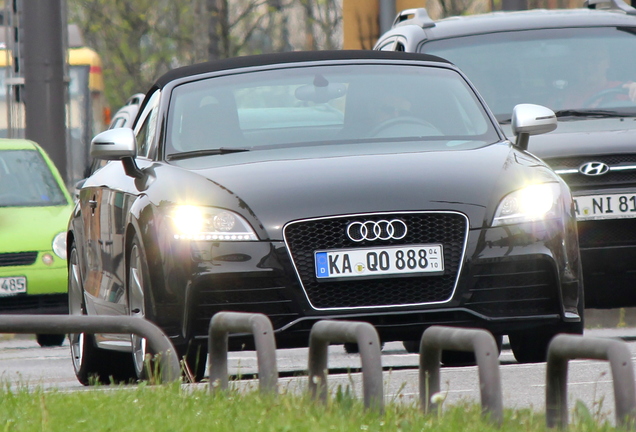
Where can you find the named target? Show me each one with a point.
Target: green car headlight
(59, 245)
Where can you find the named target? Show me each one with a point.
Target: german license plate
(380, 261)
(12, 285)
(615, 206)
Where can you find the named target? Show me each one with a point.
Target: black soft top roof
(289, 57)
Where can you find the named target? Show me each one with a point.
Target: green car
(35, 207)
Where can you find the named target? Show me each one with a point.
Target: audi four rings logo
(377, 230)
(593, 168)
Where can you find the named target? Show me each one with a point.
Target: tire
(137, 287)
(412, 346)
(532, 346)
(351, 348)
(451, 358)
(193, 356)
(50, 340)
(92, 365)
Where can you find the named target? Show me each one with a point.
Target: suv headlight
(532, 203)
(59, 245)
(210, 223)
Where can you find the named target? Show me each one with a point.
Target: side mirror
(530, 119)
(114, 144)
(117, 144)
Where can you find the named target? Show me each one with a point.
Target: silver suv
(582, 64)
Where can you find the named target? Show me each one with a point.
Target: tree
(139, 40)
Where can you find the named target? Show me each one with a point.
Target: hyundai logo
(593, 168)
(377, 230)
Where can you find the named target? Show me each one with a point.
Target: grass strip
(174, 407)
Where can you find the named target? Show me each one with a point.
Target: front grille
(514, 288)
(606, 233)
(576, 161)
(612, 178)
(303, 238)
(17, 259)
(252, 295)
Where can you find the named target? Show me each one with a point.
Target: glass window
(563, 69)
(25, 180)
(325, 105)
(148, 120)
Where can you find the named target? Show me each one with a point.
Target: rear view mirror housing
(530, 119)
(117, 144)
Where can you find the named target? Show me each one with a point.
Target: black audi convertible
(357, 185)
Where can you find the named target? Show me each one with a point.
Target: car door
(106, 217)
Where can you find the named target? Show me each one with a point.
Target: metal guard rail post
(563, 348)
(223, 323)
(366, 336)
(482, 343)
(64, 324)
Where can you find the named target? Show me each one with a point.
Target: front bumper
(46, 287)
(507, 282)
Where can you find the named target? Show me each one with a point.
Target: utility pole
(44, 23)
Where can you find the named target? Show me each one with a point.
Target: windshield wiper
(595, 113)
(207, 152)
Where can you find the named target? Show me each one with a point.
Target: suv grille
(606, 233)
(612, 178)
(305, 237)
(17, 259)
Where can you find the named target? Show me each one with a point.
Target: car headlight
(59, 245)
(209, 223)
(532, 203)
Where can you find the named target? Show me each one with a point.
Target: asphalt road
(24, 363)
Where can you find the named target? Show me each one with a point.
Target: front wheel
(138, 281)
(532, 346)
(451, 358)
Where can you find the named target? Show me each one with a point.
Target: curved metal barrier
(434, 340)
(223, 323)
(563, 348)
(62, 324)
(366, 336)
(482, 343)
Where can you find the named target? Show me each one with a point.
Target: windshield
(563, 69)
(25, 180)
(323, 105)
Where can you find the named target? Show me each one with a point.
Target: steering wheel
(404, 126)
(604, 97)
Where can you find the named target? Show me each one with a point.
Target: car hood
(29, 229)
(280, 190)
(584, 137)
